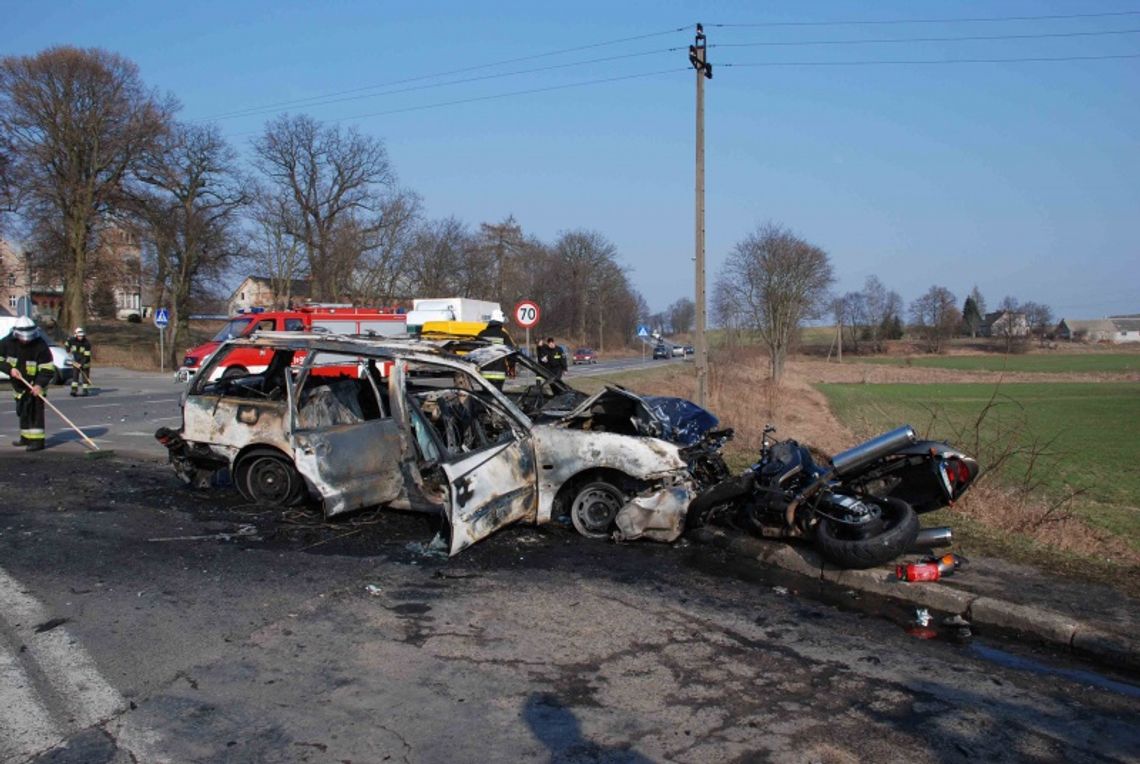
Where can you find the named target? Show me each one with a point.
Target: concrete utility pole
(700, 346)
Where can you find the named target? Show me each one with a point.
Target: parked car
(352, 422)
(678, 351)
(689, 350)
(660, 351)
(585, 355)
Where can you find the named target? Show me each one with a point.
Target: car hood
(676, 420)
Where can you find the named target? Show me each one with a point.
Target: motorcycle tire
(726, 493)
(900, 529)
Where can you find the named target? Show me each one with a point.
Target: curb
(1044, 625)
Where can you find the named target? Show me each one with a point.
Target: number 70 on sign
(527, 314)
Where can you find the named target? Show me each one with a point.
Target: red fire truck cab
(336, 319)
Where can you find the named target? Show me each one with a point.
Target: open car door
(490, 489)
(488, 459)
(345, 440)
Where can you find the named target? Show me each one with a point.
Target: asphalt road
(142, 621)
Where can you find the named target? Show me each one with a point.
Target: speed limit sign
(526, 314)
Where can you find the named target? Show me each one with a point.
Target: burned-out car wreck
(352, 423)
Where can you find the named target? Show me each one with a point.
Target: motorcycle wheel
(717, 500)
(853, 548)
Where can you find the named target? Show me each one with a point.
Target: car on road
(678, 351)
(353, 422)
(689, 350)
(660, 351)
(585, 355)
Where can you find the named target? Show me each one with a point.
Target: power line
(1026, 59)
(463, 70)
(967, 38)
(495, 96)
(963, 20)
(466, 80)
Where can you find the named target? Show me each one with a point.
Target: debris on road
(244, 531)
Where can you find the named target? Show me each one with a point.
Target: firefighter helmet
(25, 329)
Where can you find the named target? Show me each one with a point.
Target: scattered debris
(374, 590)
(243, 531)
(921, 628)
(436, 548)
(780, 590)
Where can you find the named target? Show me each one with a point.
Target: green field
(1083, 363)
(1090, 434)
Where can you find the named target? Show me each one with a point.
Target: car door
(350, 453)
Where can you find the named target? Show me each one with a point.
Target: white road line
(26, 726)
(70, 671)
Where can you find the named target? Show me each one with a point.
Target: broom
(95, 452)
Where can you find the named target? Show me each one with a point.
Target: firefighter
(496, 373)
(80, 348)
(26, 358)
(552, 357)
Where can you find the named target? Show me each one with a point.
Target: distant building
(1004, 323)
(116, 262)
(1115, 329)
(264, 292)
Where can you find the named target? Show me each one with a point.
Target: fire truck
(336, 319)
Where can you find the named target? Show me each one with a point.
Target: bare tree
(322, 175)
(581, 256)
(383, 266)
(727, 313)
(76, 120)
(271, 251)
(191, 193)
(1040, 319)
(880, 305)
(934, 316)
(779, 281)
(438, 263)
(682, 314)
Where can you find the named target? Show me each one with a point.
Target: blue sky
(1020, 177)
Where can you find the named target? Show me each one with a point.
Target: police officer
(80, 348)
(26, 358)
(496, 372)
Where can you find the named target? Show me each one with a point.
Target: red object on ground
(918, 571)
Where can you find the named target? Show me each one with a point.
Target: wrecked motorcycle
(860, 506)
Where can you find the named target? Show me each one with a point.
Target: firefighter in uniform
(26, 358)
(552, 357)
(496, 373)
(80, 348)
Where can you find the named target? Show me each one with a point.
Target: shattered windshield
(233, 328)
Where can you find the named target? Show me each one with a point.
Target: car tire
(594, 507)
(234, 371)
(266, 478)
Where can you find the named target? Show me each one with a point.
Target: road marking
(26, 726)
(70, 671)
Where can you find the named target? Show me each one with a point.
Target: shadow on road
(558, 729)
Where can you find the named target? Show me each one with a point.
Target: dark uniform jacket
(32, 359)
(80, 349)
(496, 335)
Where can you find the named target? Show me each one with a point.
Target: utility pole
(700, 346)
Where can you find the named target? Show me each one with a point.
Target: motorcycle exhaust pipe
(863, 454)
(932, 537)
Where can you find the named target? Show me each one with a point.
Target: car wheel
(594, 508)
(267, 478)
(234, 371)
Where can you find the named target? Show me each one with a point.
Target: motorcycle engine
(851, 511)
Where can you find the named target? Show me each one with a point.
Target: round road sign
(526, 314)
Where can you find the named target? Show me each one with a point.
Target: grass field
(1089, 433)
(1084, 363)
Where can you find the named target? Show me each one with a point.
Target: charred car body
(353, 423)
